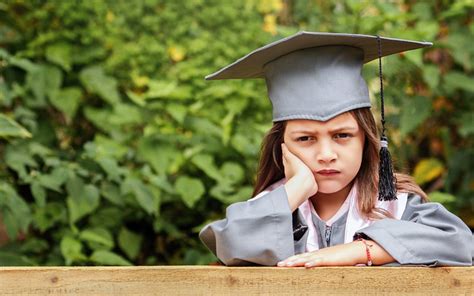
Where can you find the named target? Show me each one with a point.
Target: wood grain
(221, 280)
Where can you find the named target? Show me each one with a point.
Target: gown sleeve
(254, 232)
(426, 234)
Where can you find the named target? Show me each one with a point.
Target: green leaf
(82, 200)
(18, 158)
(67, 101)
(71, 249)
(88, 54)
(232, 172)
(75, 185)
(147, 198)
(39, 194)
(6, 95)
(34, 245)
(11, 128)
(177, 111)
(190, 190)
(466, 124)
(138, 99)
(415, 111)
(99, 117)
(51, 214)
(205, 162)
(110, 217)
(226, 194)
(125, 114)
(129, 242)
(162, 183)
(442, 197)
(60, 54)
(218, 91)
(427, 170)
(40, 150)
(167, 90)
(202, 124)
(236, 105)
(55, 180)
(422, 11)
(431, 75)
(24, 64)
(12, 259)
(244, 145)
(44, 81)
(11, 225)
(460, 48)
(16, 213)
(104, 257)
(427, 28)
(96, 81)
(110, 166)
(160, 89)
(458, 80)
(159, 156)
(415, 56)
(106, 147)
(98, 235)
(111, 192)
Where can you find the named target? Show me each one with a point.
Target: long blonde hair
(270, 168)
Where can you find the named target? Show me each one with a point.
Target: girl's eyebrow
(344, 128)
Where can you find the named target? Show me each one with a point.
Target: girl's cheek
(308, 159)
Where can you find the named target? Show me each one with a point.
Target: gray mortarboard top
(314, 75)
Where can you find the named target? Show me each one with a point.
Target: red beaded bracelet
(369, 259)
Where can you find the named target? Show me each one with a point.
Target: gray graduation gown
(264, 231)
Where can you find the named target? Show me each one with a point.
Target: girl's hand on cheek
(297, 170)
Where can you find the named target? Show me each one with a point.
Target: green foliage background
(115, 151)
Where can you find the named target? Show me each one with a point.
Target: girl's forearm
(377, 253)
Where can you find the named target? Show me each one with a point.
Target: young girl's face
(335, 145)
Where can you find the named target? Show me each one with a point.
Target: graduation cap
(316, 75)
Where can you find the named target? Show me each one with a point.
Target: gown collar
(342, 210)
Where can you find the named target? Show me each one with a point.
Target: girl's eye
(337, 136)
(343, 136)
(304, 139)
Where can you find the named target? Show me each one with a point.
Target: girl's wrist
(364, 252)
(305, 184)
(296, 192)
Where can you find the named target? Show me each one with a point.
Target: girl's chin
(326, 188)
(328, 191)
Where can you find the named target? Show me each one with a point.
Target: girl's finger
(296, 260)
(299, 256)
(295, 263)
(314, 262)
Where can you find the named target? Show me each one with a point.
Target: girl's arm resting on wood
(378, 255)
(427, 234)
(349, 254)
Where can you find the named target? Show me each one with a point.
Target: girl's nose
(326, 153)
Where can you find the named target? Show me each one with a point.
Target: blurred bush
(115, 151)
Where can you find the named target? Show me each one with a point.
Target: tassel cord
(387, 181)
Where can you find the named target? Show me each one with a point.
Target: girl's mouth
(327, 172)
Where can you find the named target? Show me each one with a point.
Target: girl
(319, 174)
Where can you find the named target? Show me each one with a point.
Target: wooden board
(221, 280)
